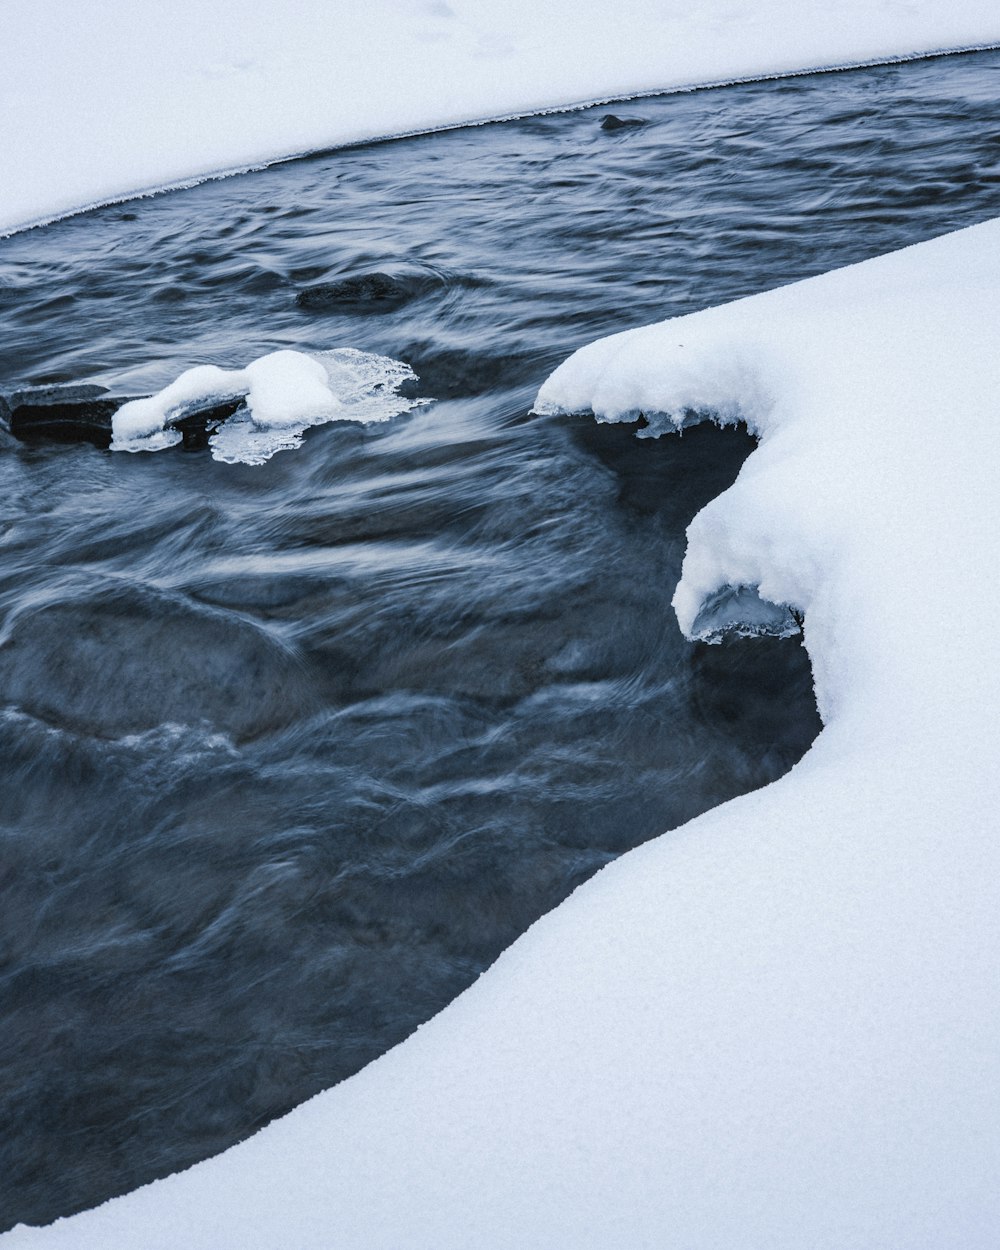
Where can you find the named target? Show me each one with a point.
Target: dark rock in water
(63, 392)
(200, 423)
(62, 414)
(369, 292)
(83, 414)
(123, 659)
(611, 122)
(451, 372)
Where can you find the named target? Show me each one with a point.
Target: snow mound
(777, 1027)
(285, 393)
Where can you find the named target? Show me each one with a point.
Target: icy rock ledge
(277, 397)
(740, 612)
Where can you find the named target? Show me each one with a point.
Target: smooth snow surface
(285, 392)
(102, 100)
(776, 1028)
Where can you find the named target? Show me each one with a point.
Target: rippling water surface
(289, 753)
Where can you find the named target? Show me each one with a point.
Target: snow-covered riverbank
(775, 1027)
(101, 102)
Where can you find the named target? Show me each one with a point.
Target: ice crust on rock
(285, 393)
(776, 1027)
(99, 107)
(740, 611)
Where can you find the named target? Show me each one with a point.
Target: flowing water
(290, 752)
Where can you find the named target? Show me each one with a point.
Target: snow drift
(776, 1027)
(101, 102)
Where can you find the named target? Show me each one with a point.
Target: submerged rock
(612, 122)
(369, 292)
(124, 659)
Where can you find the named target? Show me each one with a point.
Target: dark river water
(290, 752)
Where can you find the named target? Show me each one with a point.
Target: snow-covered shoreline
(100, 106)
(776, 1026)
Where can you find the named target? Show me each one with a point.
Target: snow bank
(102, 100)
(776, 1028)
(285, 392)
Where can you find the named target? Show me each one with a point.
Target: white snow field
(776, 1028)
(104, 99)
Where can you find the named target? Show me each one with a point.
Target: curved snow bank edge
(362, 137)
(837, 376)
(776, 1027)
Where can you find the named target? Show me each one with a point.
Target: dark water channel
(289, 753)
